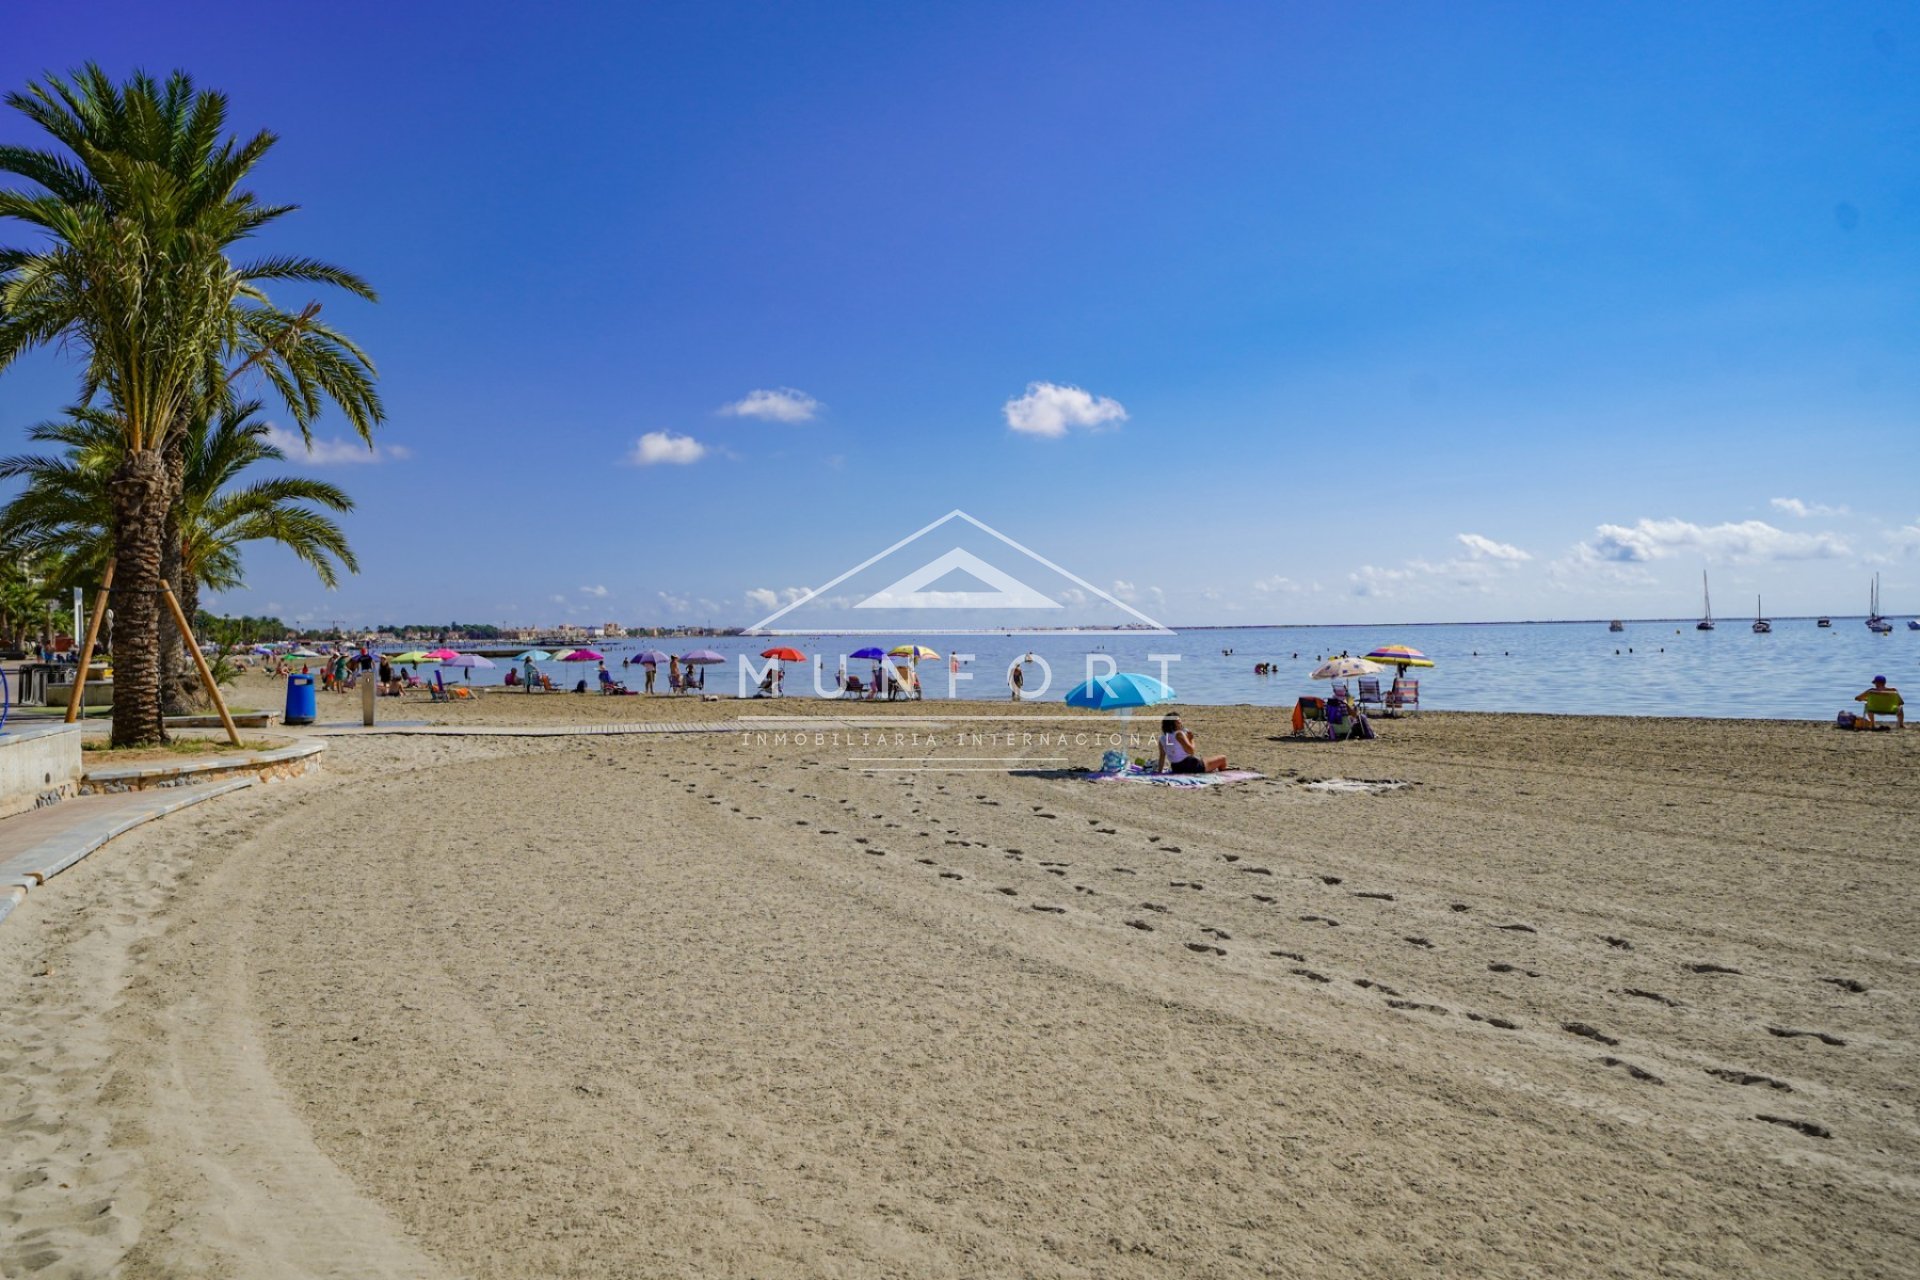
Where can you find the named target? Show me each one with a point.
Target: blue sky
(1335, 314)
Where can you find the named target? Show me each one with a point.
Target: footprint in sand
(1289, 955)
(1185, 884)
(1419, 942)
(1711, 968)
(1509, 968)
(1141, 925)
(877, 853)
(951, 875)
(1591, 1033)
(1154, 906)
(1057, 911)
(1204, 949)
(1414, 1006)
(1846, 984)
(1638, 1073)
(1383, 897)
(1261, 897)
(1153, 839)
(1654, 996)
(1257, 871)
(1747, 1077)
(1370, 985)
(925, 862)
(1105, 831)
(1790, 1033)
(1618, 944)
(1311, 976)
(1230, 857)
(1328, 921)
(1011, 893)
(1807, 1127)
(1458, 906)
(1221, 934)
(1491, 1021)
(1126, 871)
(1055, 871)
(1517, 928)
(1330, 880)
(1170, 848)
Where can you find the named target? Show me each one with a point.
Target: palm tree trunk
(179, 683)
(139, 493)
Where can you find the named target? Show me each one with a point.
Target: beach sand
(720, 1005)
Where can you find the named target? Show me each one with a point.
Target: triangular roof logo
(1012, 602)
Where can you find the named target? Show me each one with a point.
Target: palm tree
(26, 595)
(138, 210)
(64, 512)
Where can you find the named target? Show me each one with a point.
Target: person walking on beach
(650, 671)
(530, 675)
(1178, 754)
(1879, 699)
(673, 673)
(1017, 680)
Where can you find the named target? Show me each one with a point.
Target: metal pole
(86, 652)
(200, 661)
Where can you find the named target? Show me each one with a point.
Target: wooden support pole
(200, 661)
(86, 651)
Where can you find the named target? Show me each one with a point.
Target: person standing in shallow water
(1016, 681)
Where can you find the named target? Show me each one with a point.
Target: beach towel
(1134, 773)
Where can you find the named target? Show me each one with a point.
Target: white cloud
(664, 446)
(673, 603)
(335, 452)
(768, 598)
(1795, 507)
(1278, 583)
(595, 590)
(1906, 538)
(1486, 548)
(1051, 410)
(558, 599)
(1747, 541)
(782, 404)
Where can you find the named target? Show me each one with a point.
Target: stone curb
(35, 866)
(142, 777)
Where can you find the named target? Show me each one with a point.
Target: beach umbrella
(871, 652)
(468, 661)
(651, 657)
(701, 658)
(918, 652)
(1401, 656)
(441, 655)
(582, 655)
(1121, 691)
(1344, 668)
(537, 655)
(784, 653)
(303, 653)
(412, 655)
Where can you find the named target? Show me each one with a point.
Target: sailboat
(1706, 623)
(1875, 623)
(1761, 624)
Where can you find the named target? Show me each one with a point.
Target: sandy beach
(1583, 997)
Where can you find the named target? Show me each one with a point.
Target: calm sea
(1799, 672)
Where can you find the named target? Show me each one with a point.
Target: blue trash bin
(299, 700)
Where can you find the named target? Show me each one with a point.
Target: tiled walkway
(36, 846)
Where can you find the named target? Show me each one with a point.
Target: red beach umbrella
(785, 654)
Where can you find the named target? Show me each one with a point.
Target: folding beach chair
(1404, 696)
(1340, 691)
(1370, 694)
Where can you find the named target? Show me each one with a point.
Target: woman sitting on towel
(1179, 755)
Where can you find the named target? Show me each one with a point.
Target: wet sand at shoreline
(1610, 997)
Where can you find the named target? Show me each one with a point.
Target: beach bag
(1845, 720)
(1113, 762)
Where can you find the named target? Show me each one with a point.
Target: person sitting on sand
(1178, 754)
(1881, 699)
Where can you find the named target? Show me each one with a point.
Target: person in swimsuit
(1178, 753)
